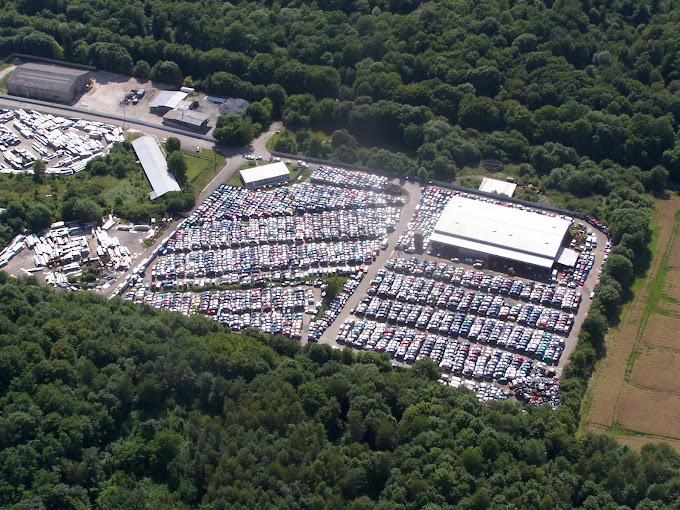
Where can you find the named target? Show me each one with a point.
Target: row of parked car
(338, 225)
(234, 202)
(253, 259)
(348, 178)
(275, 310)
(413, 289)
(408, 311)
(318, 327)
(538, 342)
(455, 356)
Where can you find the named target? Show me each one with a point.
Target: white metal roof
(502, 231)
(168, 99)
(155, 166)
(497, 186)
(567, 257)
(265, 172)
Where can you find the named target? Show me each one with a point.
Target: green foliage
(231, 129)
(172, 144)
(114, 405)
(177, 166)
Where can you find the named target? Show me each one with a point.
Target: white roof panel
(168, 99)
(265, 172)
(567, 257)
(499, 230)
(155, 166)
(497, 186)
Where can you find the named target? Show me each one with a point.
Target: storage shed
(155, 167)
(189, 120)
(166, 101)
(47, 82)
(264, 175)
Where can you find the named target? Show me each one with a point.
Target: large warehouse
(47, 82)
(264, 175)
(492, 232)
(155, 167)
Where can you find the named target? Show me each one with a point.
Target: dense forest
(585, 92)
(108, 404)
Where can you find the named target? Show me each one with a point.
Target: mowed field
(634, 394)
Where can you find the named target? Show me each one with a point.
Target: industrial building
(167, 100)
(187, 119)
(264, 175)
(155, 167)
(499, 187)
(47, 82)
(498, 233)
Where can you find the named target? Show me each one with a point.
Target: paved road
(234, 161)
(407, 211)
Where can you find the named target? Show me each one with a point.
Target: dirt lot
(662, 332)
(650, 412)
(635, 386)
(109, 88)
(656, 370)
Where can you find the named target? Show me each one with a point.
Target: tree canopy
(108, 404)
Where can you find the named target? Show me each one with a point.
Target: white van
(384, 244)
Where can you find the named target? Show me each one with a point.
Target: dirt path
(606, 391)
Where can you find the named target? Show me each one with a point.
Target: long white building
(155, 167)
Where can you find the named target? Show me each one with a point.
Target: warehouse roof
(168, 99)
(497, 186)
(261, 173)
(45, 76)
(155, 166)
(507, 232)
(187, 117)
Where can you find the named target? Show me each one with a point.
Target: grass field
(3, 81)
(634, 394)
(202, 167)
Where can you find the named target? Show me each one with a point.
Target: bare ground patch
(672, 284)
(657, 370)
(669, 308)
(649, 412)
(662, 331)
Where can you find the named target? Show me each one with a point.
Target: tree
(621, 269)
(177, 166)
(82, 209)
(172, 144)
(142, 70)
(38, 217)
(168, 72)
(39, 171)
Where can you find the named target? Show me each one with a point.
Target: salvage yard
(492, 332)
